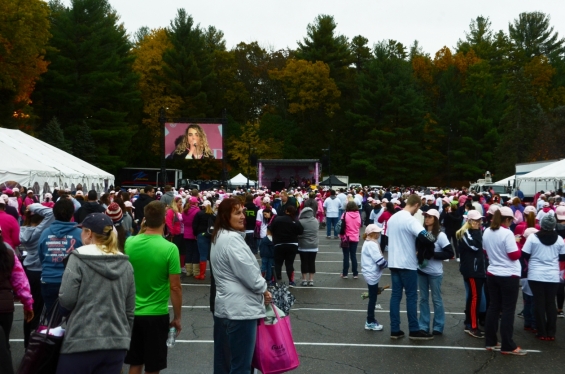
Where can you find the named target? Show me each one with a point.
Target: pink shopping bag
(274, 348)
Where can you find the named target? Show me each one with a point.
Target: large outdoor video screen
(193, 141)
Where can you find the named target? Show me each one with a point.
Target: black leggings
(544, 307)
(34, 278)
(307, 262)
(285, 253)
(473, 302)
(560, 295)
(5, 354)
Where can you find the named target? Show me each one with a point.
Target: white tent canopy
(29, 162)
(506, 180)
(240, 180)
(552, 172)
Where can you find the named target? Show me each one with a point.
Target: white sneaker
(304, 284)
(373, 326)
(458, 259)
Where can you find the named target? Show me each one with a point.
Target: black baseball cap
(96, 222)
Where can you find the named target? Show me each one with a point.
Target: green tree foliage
(532, 36)
(54, 135)
(187, 65)
(90, 78)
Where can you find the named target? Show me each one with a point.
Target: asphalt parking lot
(328, 327)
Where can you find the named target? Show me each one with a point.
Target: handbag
(42, 353)
(274, 347)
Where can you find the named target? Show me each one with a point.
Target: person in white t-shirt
(372, 265)
(503, 281)
(544, 250)
(403, 231)
(430, 276)
(332, 209)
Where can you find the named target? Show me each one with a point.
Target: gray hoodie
(29, 236)
(239, 283)
(308, 241)
(168, 198)
(99, 290)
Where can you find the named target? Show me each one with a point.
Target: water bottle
(171, 339)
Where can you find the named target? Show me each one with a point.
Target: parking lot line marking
(357, 310)
(304, 288)
(353, 345)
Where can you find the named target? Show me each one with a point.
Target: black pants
(544, 307)
(473, 302)
(5, 354)
(307, 262)
(560, 295)
(285, 253)
(384, 242)
(192, 254)
(453, 239)
(93, 362)
(34, 278)
(503, 296)
(251, 242)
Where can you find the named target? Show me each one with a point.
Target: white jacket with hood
(239, 284)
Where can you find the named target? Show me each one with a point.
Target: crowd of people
(112, 262)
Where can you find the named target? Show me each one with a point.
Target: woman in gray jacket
(308, 245)
(241, 291)
(37, 219)
(98, 289)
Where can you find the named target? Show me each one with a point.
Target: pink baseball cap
(432, 212)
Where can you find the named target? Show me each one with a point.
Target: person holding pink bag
(350, 233)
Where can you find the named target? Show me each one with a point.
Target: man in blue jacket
(56, 243)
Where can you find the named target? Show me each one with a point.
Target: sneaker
(328, 237)
(336, 237)
(517, 352)
(343, 276)
(446, 260)
(304, 283)
(183, 270)
(560, 314)
(397, 334)
(467, 329)
(437, 333)
(310, 283)
(476, 333)
(521, 314)
(373, 326)
(355, 277)
(458, 259)
(291, 284)
(420, 335)
(494, 347)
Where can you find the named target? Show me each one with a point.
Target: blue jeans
(267, 267)
(407, 280)
(234, 343)
(529, 319)
(204, 243)
(50, 293)
(329, 222)
(372, 302)
(431, 283)
(350, 252)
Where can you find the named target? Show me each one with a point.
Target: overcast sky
(280, 24)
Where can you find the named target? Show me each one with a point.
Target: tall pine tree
(90, 79)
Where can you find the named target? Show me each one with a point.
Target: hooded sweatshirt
(29, 236)
(167, 198)
(308, 240)
(55, 243)
(86, 209)
(99, 290)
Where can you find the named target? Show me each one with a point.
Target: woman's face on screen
(193, 137)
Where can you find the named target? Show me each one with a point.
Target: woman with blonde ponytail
(98, 290)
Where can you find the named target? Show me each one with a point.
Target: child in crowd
(372, 265)
(267, 253)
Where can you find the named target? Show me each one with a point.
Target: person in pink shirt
(352, 218)
(12, 277)
(173, 220)
(10, 225)
(48, 201)
(191, 247)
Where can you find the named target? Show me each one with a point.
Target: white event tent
(29, 162)
(240, 180)
(553, 172)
